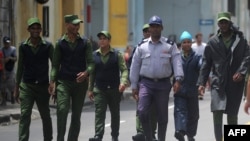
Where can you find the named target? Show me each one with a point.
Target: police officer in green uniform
(107, 83)
(71, 65)
(32, 80)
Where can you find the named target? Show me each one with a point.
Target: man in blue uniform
(153, 63)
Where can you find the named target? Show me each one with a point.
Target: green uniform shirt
(227, 41)
(34, 49)
(122, 68)
(57, 57)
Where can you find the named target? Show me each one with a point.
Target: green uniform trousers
(104, 98)
(30, 93)
(218, 123)
(70, 92)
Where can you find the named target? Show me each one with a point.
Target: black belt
(155, 79)
(35, 82)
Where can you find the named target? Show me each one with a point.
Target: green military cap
(32, 21)
(145, 26)
(105, 33)
(224, 16)
(72, 19)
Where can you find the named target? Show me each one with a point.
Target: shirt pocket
(145, 60)
(165, 59)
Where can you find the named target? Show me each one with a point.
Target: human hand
(16, 93)
(135, 93)
(122, 87)
(176, 86)
(201, 90)
(237, 77)
(81, 76)
(91, 95)
(51, 88)
(247, 107)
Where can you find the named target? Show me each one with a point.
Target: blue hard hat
(155, 20)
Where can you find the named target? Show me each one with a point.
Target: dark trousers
(158, 93)
(218, 123)
(110, 98)
(69, 92)
(153, 120)
(186, 114)
(29, 94)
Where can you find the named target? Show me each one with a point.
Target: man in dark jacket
(227, 54)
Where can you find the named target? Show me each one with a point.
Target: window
(248, 4)
(231, 7)
(46, 21)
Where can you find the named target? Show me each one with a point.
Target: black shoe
(3, 103)
(96, 138)
(154, 137)
(138, 137)
(200, 97)
(114, 138)
(191, 139)
(12, 100)
(179, 136)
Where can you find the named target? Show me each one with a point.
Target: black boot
(115, 139)
(96, 138)
(12, 100)
(191, 139)
(3, 99)
(154, 138)
(179, 135)
(138, 137)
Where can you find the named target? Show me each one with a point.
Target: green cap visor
(224, 16)
(32, 21)
(145, 26)
(72, 19)
(105, 33)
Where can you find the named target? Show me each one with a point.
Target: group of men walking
(102, 74)
(225, 59)
(75, 70)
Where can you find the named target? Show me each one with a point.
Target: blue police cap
(155, 20)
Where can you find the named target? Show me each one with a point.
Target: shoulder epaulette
(170, 42)
(143, 41)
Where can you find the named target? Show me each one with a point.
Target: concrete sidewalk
(10, 114)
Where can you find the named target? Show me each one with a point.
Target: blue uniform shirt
(156, 61)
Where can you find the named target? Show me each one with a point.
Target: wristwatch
(179, 79)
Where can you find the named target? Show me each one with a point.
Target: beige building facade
(51, 15)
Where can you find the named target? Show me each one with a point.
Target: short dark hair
(145, 30)
(198, 34)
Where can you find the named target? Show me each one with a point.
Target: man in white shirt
(198, 47)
